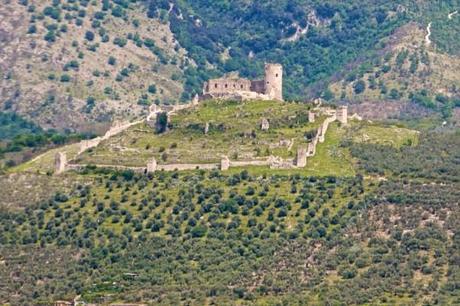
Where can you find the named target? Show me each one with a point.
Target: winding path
(427, 37)
(428, 29)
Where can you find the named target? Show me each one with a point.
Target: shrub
(359, 87)
(89, 36)
(121, 42)
(152, 89)
(112, 61)
(65, 78)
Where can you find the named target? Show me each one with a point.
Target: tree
(359, 87)
(161, 123)
(152, 89)
(394, 94)
(112, 61)
(199, 231)
(89, 35)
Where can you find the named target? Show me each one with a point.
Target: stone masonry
(301, 158)
(311, 117)
(152, 165)
(264, 125)
(60, 162)
(270, 88)
(342, 114)
(224, 163)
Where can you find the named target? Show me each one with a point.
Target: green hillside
(205, 237)
(91, 93)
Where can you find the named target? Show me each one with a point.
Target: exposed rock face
(264, 125)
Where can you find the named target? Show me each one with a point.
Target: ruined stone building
(270, 88)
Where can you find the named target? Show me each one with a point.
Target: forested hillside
(314, 40)
(388, 235)
(81, 64)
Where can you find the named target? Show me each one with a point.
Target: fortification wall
(324, 127)
(271, 86)
(273, 162)
(247, 163)
(183, 167)
(224, 85)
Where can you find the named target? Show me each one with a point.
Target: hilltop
(203, 134)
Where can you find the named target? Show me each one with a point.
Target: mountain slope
(410, 69)
(76, 64)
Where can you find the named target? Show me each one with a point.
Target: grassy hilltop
(234, 131)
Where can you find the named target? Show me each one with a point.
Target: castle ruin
(270, 88)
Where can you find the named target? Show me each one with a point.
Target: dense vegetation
(436, 158)
(197, 237)
(253, 32)
(12, 124)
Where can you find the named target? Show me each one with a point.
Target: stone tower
(274, 81)
(60, 162)
(342, 114)
(224, 163)
(152, 165)
(301, 158)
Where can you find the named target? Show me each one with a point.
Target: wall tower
(342, 114)
(274, 81)
(60, 162)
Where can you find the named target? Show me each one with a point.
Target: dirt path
(427, 37)
(428, 29)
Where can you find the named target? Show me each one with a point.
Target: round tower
(274, 81)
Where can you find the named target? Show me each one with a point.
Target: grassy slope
(138, 144)
(231, 125)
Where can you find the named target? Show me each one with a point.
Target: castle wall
(342, 114)
(219, 86)
(60, 162)
(270, 87)
(301, 158)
